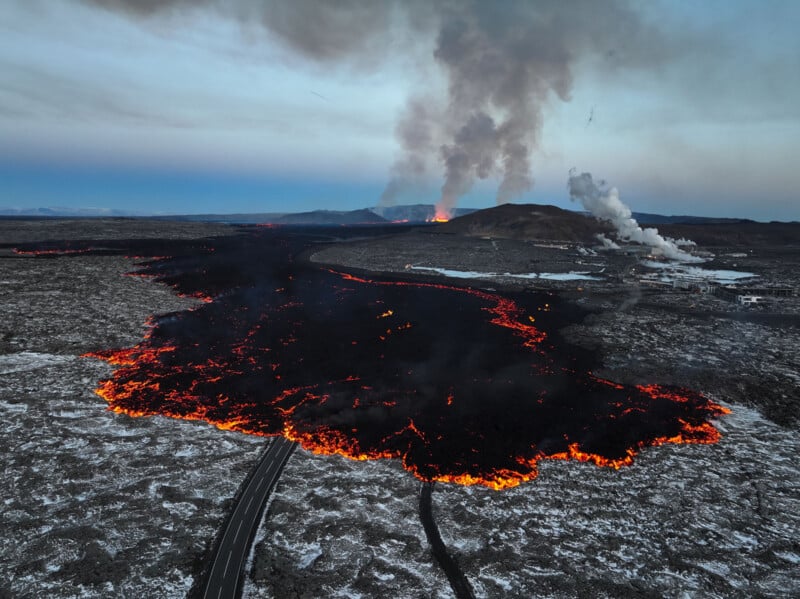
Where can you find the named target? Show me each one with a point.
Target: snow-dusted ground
(341, 528)
(701, 521)
(94, 504)
(705, 521)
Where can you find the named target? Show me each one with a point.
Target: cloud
(489, 74)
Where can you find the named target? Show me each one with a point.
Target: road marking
(268, 472)
(227, 563)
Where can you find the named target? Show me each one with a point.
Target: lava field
(461, 384)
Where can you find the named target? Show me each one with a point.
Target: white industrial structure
(749, 300)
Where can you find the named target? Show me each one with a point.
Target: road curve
(224, 576)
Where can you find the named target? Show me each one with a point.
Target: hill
(528, 221)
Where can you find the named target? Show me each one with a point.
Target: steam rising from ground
(604, 203)
(607, 243)
(502, 62)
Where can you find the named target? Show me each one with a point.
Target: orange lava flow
(206, 299)
(505, 310)
(329, 441)
(507, 314)
(54, 252)
(130, 356)
(323, 382)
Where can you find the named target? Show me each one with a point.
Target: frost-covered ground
(95, 504)
(341, 528)
(704, 521)
(699, 521)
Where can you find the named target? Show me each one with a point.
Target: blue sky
(200, 111)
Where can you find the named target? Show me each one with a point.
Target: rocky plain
(98, 504)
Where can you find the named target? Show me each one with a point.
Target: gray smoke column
(415, 129)
(604, 203)
(503, 61)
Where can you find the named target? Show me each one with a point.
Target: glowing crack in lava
(457, 383)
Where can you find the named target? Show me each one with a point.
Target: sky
(241, 106)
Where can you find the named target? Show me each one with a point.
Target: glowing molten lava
(51, 252)
(456, 383)
(441, 215)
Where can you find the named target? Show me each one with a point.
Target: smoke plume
(415, 130)
(607, 243)
(502, 62)
(604, 203)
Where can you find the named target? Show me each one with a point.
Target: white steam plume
(604, 203)
(607, 243)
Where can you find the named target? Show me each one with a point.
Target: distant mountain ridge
(646, 218)
(331, 217)
(58, 211)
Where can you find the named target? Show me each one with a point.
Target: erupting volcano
(441, 215)
(460, 384)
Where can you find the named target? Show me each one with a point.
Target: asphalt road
(223, 580)
(458, 582)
